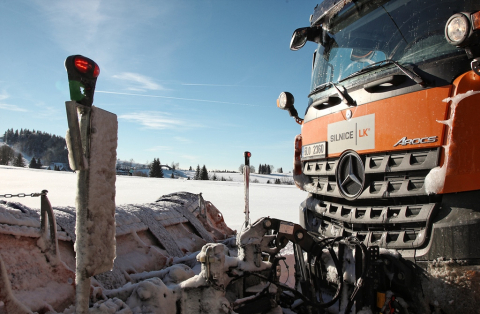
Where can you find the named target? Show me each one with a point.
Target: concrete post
(92, 143)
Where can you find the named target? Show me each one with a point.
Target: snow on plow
(156, 246)
(178, 256)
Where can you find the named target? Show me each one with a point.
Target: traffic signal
(247, 156)
(82, 77)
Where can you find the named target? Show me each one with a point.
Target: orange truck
(389, 150)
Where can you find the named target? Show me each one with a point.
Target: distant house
(61, 166)
(123, 170)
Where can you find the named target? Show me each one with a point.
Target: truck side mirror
(299, 38)
(302, 35)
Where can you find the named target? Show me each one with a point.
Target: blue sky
(194, 82)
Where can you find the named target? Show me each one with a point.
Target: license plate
(317, 150)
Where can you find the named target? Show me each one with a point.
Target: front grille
(391, 227)
(392, 174)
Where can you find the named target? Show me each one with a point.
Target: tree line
(201, 173)
(40, 145)
(262, 169)
(7, 157)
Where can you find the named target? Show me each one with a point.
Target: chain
(23, 194)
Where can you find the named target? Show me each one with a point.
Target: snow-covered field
(279, 201)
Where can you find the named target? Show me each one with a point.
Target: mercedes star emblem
(350, 175)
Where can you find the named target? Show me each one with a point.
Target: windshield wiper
(344, 97)
(319, 88)
(412, 75)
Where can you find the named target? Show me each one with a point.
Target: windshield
(365, 32)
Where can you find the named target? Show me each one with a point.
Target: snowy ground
(278, 201)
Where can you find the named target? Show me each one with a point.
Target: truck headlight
(461, 28)
(457, 29)
(285, 101)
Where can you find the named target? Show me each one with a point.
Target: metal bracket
(46, 210)
(476, 65)
(78, 135)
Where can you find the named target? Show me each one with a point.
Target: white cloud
(138, 82)
(106, 31)
(12, 107)
(177, 98)
(68, 17)
(9, 107)
(157, 120)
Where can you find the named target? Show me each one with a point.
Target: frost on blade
(153, 296)
(35, 277)
(435, 180)
(11, 304)
(143, 276)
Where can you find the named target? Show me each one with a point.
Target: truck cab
(389, 149)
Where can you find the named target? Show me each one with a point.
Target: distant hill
(49, 148)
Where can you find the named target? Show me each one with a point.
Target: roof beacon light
(82, 78)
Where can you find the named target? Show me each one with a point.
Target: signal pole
(92, 143)
(246, 179)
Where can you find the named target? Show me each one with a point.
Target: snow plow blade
(149, 237)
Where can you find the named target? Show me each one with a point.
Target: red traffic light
(82, 77)
(84, 65)
(247, 156)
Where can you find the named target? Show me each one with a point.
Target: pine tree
(172, 176)
(197, 173)
(155, 169)
(39, 164)
(190, 168)
(160, 174)
(214, 178)
(18, 162)
(280, 170)
(204, 173)
(33, 163)
(7, 155)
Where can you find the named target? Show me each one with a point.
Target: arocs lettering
(424, 140)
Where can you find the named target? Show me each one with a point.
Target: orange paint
(411, 115)
(415, 115)
(463, 164)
